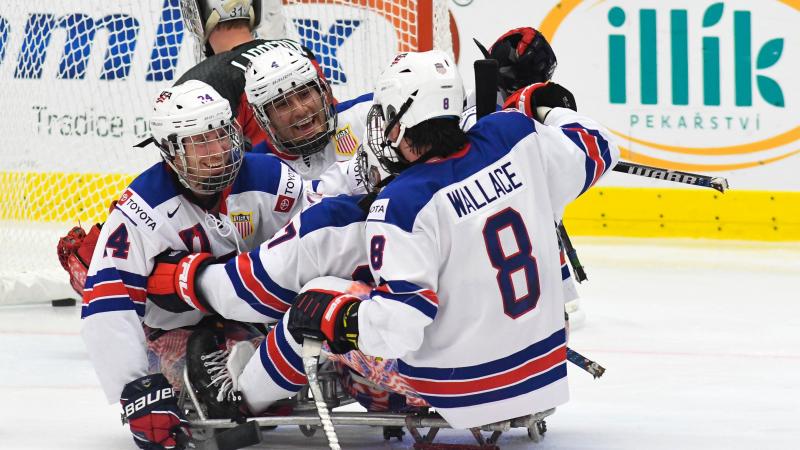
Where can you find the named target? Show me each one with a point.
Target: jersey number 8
(508, 265)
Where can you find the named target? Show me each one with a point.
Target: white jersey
(465, 251)
(326, 170)
(154, 215)
(325, 239)
(468, 118)
(260, 285)
(470, 114)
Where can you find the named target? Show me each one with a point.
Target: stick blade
(240, 436)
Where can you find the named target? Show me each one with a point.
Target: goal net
(78, 78)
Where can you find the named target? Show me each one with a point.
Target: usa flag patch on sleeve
(243, 221)
(346, 142)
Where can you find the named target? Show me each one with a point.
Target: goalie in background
(206, 195)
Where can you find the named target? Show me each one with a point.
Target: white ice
(701, 341)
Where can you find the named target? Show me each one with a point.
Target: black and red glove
(523, 56)
(171, 285)
(75, 253)
(551, 95)
(326, 316)
(150, 406)
(522, 35)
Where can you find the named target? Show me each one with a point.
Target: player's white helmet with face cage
(416, 87)
(290, 101)
(201, 16)
(194, 128)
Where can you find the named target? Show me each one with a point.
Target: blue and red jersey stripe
(253, 284)
(111, 289)
(525, 371)
(423, 300)
(595, 146)
(281, 361)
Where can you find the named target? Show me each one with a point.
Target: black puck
(63, 302)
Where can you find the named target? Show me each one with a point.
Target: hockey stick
(485, 87)
(718, 183)
(585, 363)
(572, 254)
(311, 350)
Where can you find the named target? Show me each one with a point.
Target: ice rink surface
(700, 339)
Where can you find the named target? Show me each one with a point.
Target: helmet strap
(394, 121)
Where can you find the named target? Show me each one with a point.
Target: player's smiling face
(207, 156)
(298, 116)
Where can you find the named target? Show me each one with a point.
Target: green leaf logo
(712, 15)
(770, 53)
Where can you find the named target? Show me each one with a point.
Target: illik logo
(678, 59)
(691, 85)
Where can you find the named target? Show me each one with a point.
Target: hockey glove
(548, 94)
(171, 285)
(526, 36)
(150, 406)
(326, 316)
(75, 253)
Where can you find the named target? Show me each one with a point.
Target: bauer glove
(171, 285)
(150, 406)
(326, 316)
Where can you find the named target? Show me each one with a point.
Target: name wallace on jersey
(485, 187)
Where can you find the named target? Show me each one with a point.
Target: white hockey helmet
(414, 88)
(290, 101)
(193, 126)
(202, 16)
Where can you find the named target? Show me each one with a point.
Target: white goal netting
(78, 78)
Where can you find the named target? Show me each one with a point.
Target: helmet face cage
(370, 171)
(208, 162)
(201, 16)
(386, 151)
(304, 135)
(191, 17)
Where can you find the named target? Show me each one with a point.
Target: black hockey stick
(485, 87)
(585, 363)
(718, 183)
(572, 254)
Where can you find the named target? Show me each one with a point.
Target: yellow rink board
(602, 211)
(645, 212)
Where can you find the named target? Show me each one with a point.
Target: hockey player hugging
(460, 240)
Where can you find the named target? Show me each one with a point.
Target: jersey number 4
(519, 265)
(118, 242)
